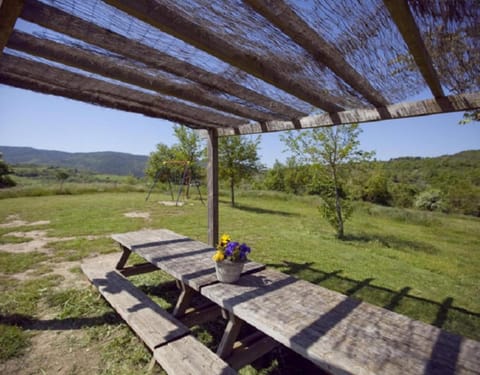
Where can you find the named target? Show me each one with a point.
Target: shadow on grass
(393, 242)
(35, 324)
(440, 314)
(258, 210)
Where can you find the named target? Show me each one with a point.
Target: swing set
(185, 180)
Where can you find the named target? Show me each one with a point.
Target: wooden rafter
(103, 100)
(114, 69)
(453, 103)
(403, 18)
(181, 25)
(9, 12)
(64, 23)
(79, 87)
(281, 15)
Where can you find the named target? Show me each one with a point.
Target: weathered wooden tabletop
(340, 334)
(185, 259)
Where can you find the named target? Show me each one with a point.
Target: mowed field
(420, 264)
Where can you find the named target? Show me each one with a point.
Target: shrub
(431, 200)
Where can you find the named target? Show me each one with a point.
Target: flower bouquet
(230, 256)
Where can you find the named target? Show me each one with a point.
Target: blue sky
(54, 123)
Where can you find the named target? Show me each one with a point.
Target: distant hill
(117, 163)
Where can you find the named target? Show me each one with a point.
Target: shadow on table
(440, 314)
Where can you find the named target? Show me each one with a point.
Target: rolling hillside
(107, 162)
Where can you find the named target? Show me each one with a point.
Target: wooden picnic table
(339, 334)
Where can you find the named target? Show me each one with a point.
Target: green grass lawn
(423, 265)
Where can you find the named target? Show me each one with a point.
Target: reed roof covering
(248, 66)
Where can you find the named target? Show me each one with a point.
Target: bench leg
(184, 300)
(123, 259)
(229, 336)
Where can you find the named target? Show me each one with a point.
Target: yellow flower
(225, 239)
(218, 256)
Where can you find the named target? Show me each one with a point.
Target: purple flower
(244, 249)
(230, 248)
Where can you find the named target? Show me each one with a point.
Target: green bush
(431, 200)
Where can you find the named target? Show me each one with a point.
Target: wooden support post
(212, 176)
(229, 336)
(184, 300)
(123, 259)
(250, 348)
(9, 12)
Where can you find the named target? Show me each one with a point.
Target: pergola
(239, 67)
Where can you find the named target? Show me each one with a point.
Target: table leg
(123, 259)
(184, 300)
(229, 336)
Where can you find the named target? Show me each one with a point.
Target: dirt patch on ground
(39, 241)
(14, 221)
(59, 352)
(56, 347)
(136, 214)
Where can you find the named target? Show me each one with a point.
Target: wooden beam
(113, 68)
(9, 12)
(155, 101)
(212, 184)
(453, 103)
(174, 21)
(282, 16)
(39, 77)
(403, 18)
(64, 23)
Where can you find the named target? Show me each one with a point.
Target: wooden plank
(9, 12)
(113, 68)
(187, 356)
(343, 335)
(150, 322)
(452, 103)
(403, 18)
(43, 78)
(146, 238)
(279, 13)
(212, 188)
(64, 23)
(181, 25)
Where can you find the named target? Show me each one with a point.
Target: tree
(156, 165)
(376, 188)
(5, 170)
(166, 162)
(61, 176)
(238, 159)
(328, 149)
(470, 116)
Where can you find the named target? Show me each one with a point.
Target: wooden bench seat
(169, 339)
